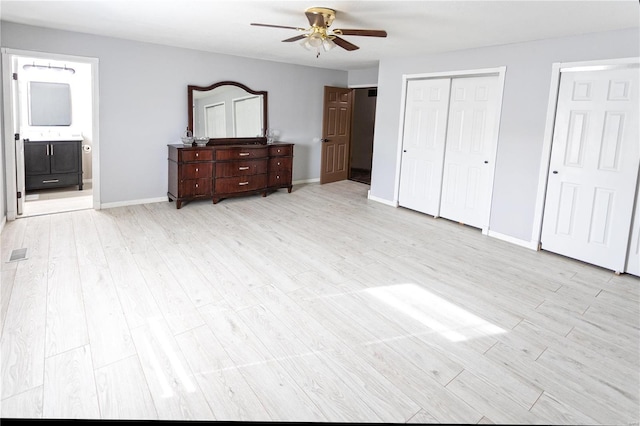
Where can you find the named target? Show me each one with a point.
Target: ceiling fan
(318, 34)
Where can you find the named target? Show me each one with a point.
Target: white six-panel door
(469, 150)
(427, 103)
(594, 167)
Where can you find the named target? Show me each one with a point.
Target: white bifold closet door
(425, 127)
(593, 170)
(469, 150)
(448, 145)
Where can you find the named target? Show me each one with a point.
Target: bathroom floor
(56, 200)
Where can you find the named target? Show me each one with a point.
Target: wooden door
(470, 148)
(594, 167)
(336, 134)
(423, 142)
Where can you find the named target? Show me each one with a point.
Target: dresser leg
(215, 200)
(289, 189)
(178, 204)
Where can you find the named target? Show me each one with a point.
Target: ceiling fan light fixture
(315, 40)
(328, 44)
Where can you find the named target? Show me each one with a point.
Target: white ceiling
(413, 27)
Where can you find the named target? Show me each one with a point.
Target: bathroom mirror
(227, 112)
(49, 104)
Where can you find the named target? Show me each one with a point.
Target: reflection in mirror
(227, 110)
(49, 104)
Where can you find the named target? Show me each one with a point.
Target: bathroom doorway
(54, 114)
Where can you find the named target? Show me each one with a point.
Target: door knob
(555, 172)
(324, 140)
(486, 162)
(404, 150)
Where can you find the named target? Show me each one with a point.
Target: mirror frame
(217, 141)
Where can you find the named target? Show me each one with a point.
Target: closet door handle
(47, 149)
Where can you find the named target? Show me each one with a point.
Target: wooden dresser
(223, 171)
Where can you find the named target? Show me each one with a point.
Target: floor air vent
(18, 254)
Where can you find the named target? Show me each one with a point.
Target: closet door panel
(470, 148)
(423, 144)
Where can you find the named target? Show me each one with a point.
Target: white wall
(143, 102)
(363, 77)
(524, 111)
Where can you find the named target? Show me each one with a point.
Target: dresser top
(183, 146)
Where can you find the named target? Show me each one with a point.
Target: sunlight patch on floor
(449, 320)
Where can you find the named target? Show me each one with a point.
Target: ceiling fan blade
(345, 44)
(296, 38)
(315, 19)
(368, 33)
(278, 26)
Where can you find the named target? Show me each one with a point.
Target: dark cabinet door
(36, 158)
(65, 157)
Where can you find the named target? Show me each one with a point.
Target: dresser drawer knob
(278, 163)
(196, 185)
(197, 154)
(197, 169)
(244, 154)
(278, 150)
(243, 183)
(243, 168)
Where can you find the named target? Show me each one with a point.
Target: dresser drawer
(196, 171)
(196, 155)
(229, 185)
(195, 187)
(241, 153)
(280, 164)
(241, 168)
(279, 179)
(280, 150)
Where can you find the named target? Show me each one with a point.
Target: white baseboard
(133, 202)
(3, 222)
(381, 200)
(315, 180)
(87, 180)
(517, 241)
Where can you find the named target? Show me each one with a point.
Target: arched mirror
(228, 112)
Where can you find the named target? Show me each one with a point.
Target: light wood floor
(312, 306)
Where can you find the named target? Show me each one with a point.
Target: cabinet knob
(196, 169)
(278, 163)
(278, 150)
(197, 154)
(196, 185)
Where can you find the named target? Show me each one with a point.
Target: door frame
(482, 72)
(9, 146)
(557, 68)
(353, 88)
